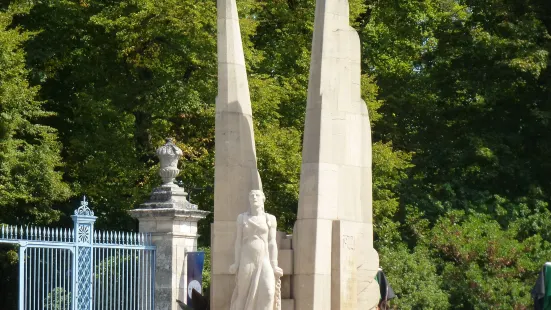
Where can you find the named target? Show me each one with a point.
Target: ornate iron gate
(81, 268)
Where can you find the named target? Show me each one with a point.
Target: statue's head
(256, 199)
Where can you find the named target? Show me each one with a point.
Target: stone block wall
(285, 260)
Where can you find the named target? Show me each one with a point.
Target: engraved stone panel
(354, 265)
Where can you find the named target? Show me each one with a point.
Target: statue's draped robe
(255, 281)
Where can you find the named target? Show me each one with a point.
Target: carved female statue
(255, 258)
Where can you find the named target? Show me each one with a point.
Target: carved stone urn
(169, 154)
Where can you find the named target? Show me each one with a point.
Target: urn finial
(168, 155)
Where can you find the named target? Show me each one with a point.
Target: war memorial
(329, 261)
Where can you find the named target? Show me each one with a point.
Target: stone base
(285, 261)
(222, 250)
(174, 233)
(287, 304)
(312, 264)
(354, 265)
(220, 294)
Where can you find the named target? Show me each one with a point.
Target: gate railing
(83, 269)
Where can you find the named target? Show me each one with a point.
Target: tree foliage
(465, 86)
(30, 180)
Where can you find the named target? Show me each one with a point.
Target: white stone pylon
(334, 260)
(236, 172)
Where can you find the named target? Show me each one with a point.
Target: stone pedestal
(172, 221)
(174, 233)
(354, 265)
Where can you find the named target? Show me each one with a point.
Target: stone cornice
(169, 213)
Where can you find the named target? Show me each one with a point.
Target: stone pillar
(334, 260)
(174, 233)
(235, 172)
(172, 221)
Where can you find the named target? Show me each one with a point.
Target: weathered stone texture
(336, 188)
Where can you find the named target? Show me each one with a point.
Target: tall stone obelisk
(334, 260)
(235, 173)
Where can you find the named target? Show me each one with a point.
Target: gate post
(172, 221)
(83, 262)
(22, 274)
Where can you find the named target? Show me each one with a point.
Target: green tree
(465, 86)
(414, 278)
(484, 265)
(122, 77)
(30, 177)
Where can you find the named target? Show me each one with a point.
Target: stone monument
(235, 163)
(172, 221)
(235, 155)
(334, 260)
(258, 284)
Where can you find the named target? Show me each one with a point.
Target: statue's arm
(238, 240)
(272, 244)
